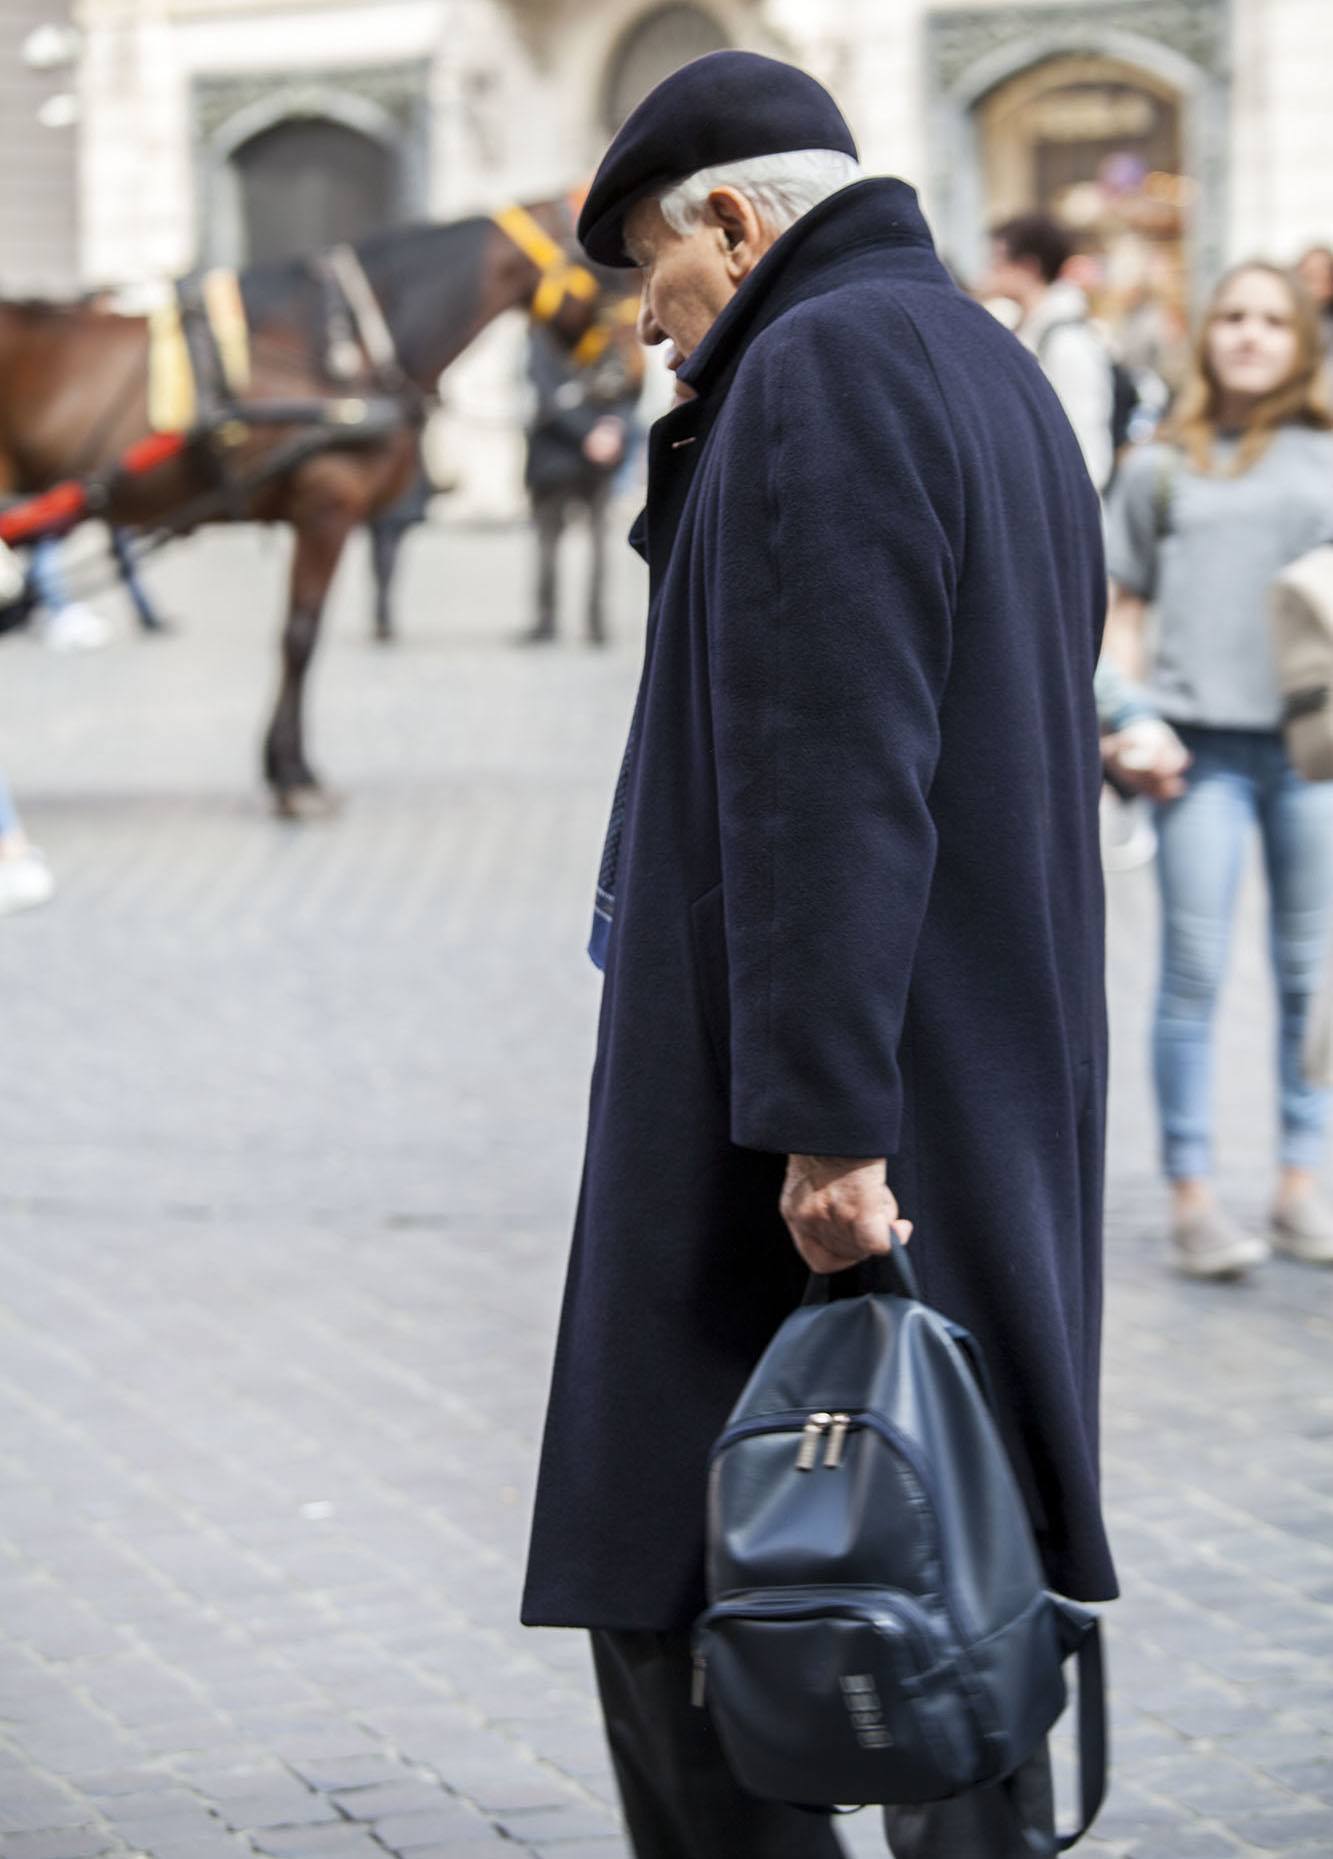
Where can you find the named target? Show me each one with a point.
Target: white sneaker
(1208, 1244)
(25, 881)
(76, 628)
(1303, 1230)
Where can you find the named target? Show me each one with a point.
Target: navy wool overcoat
(858, 905)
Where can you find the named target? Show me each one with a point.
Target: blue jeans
(9, 813)
(46, 582)
(1238, 779)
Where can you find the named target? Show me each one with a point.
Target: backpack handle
(870, 1275)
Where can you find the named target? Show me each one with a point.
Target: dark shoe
(540, 634)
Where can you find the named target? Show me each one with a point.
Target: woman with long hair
(1199, 525)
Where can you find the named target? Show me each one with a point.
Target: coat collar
(807, 260)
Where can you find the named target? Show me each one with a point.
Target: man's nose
(649, 330)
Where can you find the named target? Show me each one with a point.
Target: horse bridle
(559, 278)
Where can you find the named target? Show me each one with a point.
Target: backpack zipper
(839, 1425)
(905, 1613)
(837, 1439)
(811, 1434)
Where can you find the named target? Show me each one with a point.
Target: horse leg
(319, 545)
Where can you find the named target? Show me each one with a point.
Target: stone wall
(506, 99)
(39, 200)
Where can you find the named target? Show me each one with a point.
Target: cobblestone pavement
(290, 1125)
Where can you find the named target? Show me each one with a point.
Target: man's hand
(1149, 757)
(839, 1210)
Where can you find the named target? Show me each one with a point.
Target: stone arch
(650, 48)
(386, 109)
(972, 56)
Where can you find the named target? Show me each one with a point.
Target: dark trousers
(681, 1802)
(551, 511)
(386, 540)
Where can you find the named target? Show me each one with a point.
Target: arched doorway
(1181, 53)
(655, 46)
(309, 182)
(1100, 144)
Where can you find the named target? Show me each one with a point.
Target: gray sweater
(1208, 565)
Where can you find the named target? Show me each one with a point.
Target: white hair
(781, 188)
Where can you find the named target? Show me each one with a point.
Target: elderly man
(850, 910)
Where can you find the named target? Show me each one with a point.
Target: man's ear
(743, 232)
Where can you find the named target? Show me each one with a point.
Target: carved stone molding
(389, 103)
(1186, 44)
(398, 90)
(1198, 30)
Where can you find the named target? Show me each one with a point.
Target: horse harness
(356, 341)
(356, 330)
(560, 277)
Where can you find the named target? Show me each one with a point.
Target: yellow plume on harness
(173, 399)
(226, 316)
(561, 276)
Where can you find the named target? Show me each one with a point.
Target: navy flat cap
(724, 107)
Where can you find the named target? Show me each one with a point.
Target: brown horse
(73, 399)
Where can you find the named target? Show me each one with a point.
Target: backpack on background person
(1130, 406)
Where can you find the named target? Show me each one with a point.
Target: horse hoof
(306, 801)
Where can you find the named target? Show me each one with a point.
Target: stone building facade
(39, 234)
(201, 115)
(1175, 133)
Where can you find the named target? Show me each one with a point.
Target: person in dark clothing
(387, 531)
(576, 441)
(850, 911)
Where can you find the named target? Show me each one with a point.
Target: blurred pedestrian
(25, 877)
(1028, 255)
(1199, 525)
(387, 532)
(63, 623)
(577, 441)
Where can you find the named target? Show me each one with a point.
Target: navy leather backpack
(879, 1629)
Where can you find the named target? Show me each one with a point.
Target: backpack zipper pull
(811, 1434)
(836, 1440)
(699, 1682)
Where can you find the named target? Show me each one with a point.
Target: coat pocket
(708, 941)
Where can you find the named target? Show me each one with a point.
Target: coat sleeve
(830, 630)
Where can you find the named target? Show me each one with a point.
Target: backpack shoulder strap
(1053, 329)
(1164, 491)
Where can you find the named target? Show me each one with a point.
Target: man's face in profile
(689, 278)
